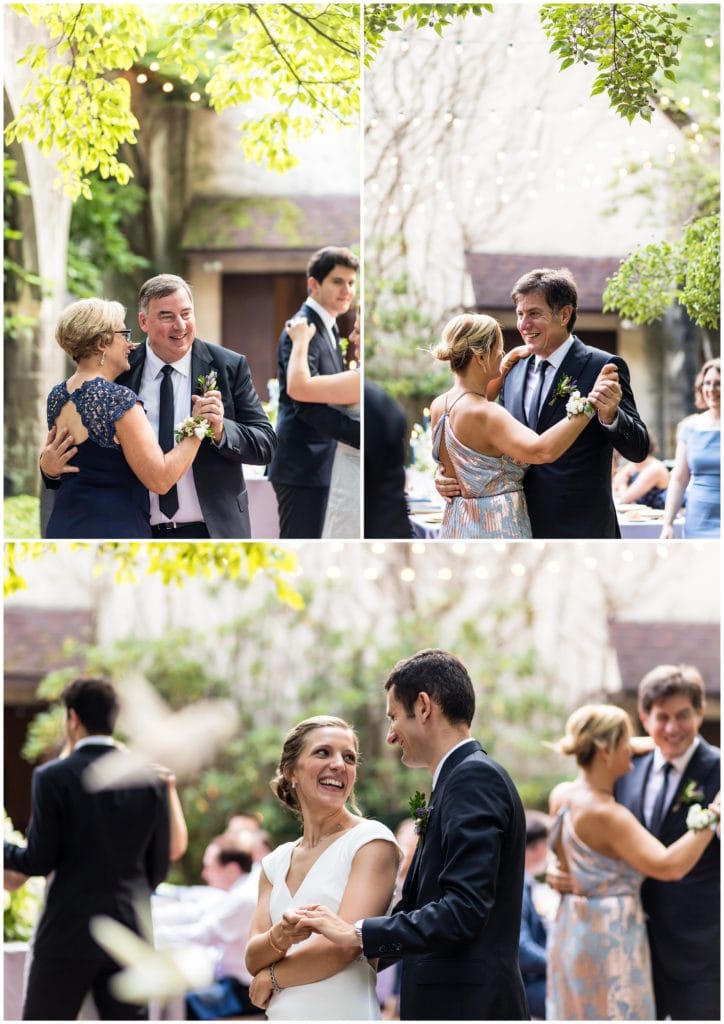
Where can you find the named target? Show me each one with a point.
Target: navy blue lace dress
(105, 499)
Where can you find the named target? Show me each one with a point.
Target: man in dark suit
(385, 514)
(683, 918)
(211, 499)
(107, 850)
(572, 496)
(457, 925)
(308, 431)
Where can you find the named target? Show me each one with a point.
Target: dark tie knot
(167, 370)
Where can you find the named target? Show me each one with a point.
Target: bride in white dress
(342, 861)
(342, 518)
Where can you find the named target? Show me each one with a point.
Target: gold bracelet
(273, 944)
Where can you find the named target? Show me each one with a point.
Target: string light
(458, 548)
(154, 66)
(142, 79)
(518, 569)
(407, 575)
(378, 549)
(444, 574)
(371, 573)
(417, 548)
(481, 572)
(333, 572)
(627, 555)
(167, 87)
(590, 563)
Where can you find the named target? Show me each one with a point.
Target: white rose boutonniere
(699, 818)
(193, 426)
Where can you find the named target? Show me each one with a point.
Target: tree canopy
(297, 65)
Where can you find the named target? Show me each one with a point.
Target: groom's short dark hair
(95, 703)
(323, 261)
(440, 675)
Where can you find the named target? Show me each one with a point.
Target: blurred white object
(150, 973)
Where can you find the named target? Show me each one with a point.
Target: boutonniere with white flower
(692, 793)
(197, 426)
(420, 812)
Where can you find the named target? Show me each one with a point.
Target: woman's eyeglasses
(126, 334)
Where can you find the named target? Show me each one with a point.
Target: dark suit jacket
(572, 497)
(107, 850)
(684, 916)
(248, 437)
(308, 431)
(385, 428)
(457, 925)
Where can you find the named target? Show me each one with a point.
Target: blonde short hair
(466, 334)
(85, 324)
(594, 727)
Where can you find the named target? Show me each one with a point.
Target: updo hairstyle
(594, 727)
(85, 323)
(465, 335)
(294, 745)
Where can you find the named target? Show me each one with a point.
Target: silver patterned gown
(492, 503)
(599, 965)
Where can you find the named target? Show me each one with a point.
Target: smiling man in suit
(684, 917)
(572, 496)
(106, 850)
(211, 499)
(308, 431)
(457, 925)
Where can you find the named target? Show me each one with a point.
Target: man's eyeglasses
(127, 333)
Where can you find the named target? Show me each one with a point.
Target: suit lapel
(515, 389)
(201, 365)
(572, 366)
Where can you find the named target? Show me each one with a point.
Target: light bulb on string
(444, 573)
(407, 575)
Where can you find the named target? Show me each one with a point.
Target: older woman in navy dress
(117, 459)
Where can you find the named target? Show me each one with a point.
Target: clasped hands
(210, 407)
(296, 926)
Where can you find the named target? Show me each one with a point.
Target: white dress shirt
(436, 775)
(189, 508)
(656, 778)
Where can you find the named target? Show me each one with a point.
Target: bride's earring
(102, 359)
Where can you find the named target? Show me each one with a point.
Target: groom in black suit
(308, 431)
(106, 851)
(683, 918)
(211, 499)
(572, 496)
(457, 926)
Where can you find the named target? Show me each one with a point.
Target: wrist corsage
(197, 426)
(193, 426)
(698, 818)
(576, 405)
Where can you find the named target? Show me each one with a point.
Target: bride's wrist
(277, 946)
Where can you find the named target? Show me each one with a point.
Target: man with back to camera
(107, 850)
(683, 918)
(457, 926)
(308, 431)
(211, 499)
(572, 496)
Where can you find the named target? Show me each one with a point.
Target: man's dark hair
(325, 260)
(557, 287)
(536, 827)
(440, 675)
(666, 681)
(95, 703)
(228, 851)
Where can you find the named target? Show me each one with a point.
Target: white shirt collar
(436, 776)
(154, 365)
(556, 358)
(102, 741)
(328, 319)
(679, 762)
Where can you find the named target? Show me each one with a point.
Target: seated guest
(220, 924)
(643, 483)
(532, 951)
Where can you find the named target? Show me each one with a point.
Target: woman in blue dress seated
(117, 458)
(697, 467)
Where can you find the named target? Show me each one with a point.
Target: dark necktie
(168, 503)
(657, 815)
(335, 334)
(538, 396)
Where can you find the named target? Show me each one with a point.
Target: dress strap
(459, 397)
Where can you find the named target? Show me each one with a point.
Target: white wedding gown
(342, 518)
(350, 994)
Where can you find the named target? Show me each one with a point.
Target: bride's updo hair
(466, 334)
(294, 745)
(594, 727)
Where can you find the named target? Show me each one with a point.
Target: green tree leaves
(296, 65)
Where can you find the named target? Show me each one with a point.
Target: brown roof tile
(34, 638)
(494, 274)
(640, 646)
